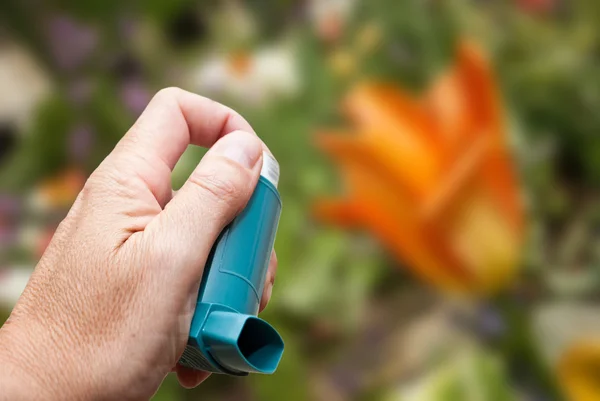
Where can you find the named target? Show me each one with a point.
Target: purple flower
(10, 206)
(81, 142)
(71, 42)
(10, 210)
(8, 235)
(135, 95)
(79, 91)
(127, 27)
(346, 379)
(491, 325)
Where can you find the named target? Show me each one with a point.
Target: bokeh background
(440, 237)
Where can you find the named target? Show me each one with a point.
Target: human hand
(106, 313)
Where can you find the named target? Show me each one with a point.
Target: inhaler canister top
(270, 169)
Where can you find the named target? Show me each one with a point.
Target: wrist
(35, 364)
(25, 369)
(15, 379)
(12, 381)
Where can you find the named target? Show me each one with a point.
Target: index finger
(174, 119)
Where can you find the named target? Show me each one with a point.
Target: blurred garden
(440, 171)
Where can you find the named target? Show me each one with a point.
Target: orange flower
(60, 191)
(432, 178)
(578, 370)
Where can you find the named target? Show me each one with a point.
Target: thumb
(217, 190)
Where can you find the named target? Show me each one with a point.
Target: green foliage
(42, 150)
(169, 387)
(473, 375)
(292, 371)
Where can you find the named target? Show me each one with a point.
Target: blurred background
(440, 236)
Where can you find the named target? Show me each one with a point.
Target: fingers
(190, 378)
(173, 120)
(269, 281)
(214, 194)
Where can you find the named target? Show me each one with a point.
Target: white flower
(560, 325)
(468, 371)
(253, 78)
(12, 283)
(323, 9)
(24, 84)
(329, 17)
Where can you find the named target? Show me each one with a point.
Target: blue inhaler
(226, 336)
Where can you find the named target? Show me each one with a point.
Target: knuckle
(92, 186)
(89, 186)
(167, 94)
(116, 181)
(221, 188)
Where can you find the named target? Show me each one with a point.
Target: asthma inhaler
(226, 336)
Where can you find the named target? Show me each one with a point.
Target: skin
(107, 311)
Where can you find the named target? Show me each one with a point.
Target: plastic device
(226, 336)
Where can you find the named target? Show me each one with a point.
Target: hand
(107, 311)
